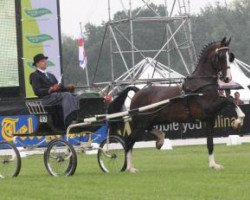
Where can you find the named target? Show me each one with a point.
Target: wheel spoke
(10, 161)
(112, 156)
(60, 158)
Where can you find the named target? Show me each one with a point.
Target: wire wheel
(10, 161)
(112, 155)
(60, 158)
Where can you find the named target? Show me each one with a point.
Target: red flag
(82, 54)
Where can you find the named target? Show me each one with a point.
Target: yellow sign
(9, 127)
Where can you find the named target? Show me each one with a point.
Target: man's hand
(70, 88)
(55, 88)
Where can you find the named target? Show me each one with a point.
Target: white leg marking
(239, 112)
(239, 121)
(130, 166)
(212, 164)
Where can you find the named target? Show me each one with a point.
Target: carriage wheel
(10, 160)
(111, 155)
(60, 158)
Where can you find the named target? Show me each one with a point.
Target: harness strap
(187, 103)
(221, 48)
(188, 109)
(204, 86)
(197, 89)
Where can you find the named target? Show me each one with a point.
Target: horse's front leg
(240, 118)
(160, 137)
(210, 146)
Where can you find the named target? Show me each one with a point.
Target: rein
(199, 88)
(198, 77)
(204, 86)
(188, 89)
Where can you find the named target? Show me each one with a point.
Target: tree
(212, 23)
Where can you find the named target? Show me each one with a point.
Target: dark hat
(38, 57)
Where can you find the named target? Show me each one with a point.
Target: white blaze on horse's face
(228, 77)
(226, 72)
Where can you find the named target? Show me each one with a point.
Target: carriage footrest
(25, 134)
(39, 134)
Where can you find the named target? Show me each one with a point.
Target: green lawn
(181, 173)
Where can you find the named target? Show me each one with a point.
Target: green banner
(40, 35)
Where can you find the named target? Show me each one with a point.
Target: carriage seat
(50, 118)
(55, 112)
(36, 107)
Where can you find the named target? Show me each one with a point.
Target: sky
(96, 11)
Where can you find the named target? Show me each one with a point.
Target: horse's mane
(203, 53)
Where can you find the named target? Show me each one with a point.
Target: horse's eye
(231, 57)
(221, 56)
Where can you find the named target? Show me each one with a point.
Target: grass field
(181, 173)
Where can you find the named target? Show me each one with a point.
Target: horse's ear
(228, 42)
(223, 41)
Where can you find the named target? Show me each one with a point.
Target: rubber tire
(73, 159)
(18, 157)
(114, 138)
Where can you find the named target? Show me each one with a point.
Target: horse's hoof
(216, 166)
(237, 124)
(133, 170)
(159, 144)
(234, 124)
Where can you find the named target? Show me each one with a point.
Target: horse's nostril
(226, 80)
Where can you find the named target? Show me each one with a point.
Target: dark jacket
(41, 84)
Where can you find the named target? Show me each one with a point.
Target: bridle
(217, 50)
(212, 79)
(221, 48)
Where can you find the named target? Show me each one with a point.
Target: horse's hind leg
(130, 141)
(160, 137)
(210, 146)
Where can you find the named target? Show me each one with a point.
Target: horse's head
(222, 58)
(215, 60)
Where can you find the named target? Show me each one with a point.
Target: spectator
(237, 99)
(228, 94)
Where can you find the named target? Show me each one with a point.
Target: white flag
(82, 54)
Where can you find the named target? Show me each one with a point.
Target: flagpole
(86, 68)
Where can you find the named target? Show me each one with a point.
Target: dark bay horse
(214, 63)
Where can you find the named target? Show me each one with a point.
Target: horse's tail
(117, 103)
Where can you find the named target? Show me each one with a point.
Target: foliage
(212, 23)
(72, 73)
(216, 22)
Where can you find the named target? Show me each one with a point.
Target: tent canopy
(240, 78)
(149, 68)
(231, 85)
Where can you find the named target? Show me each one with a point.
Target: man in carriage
(46, 86)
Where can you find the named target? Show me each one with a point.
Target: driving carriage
(197, 99)
(60, 158)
